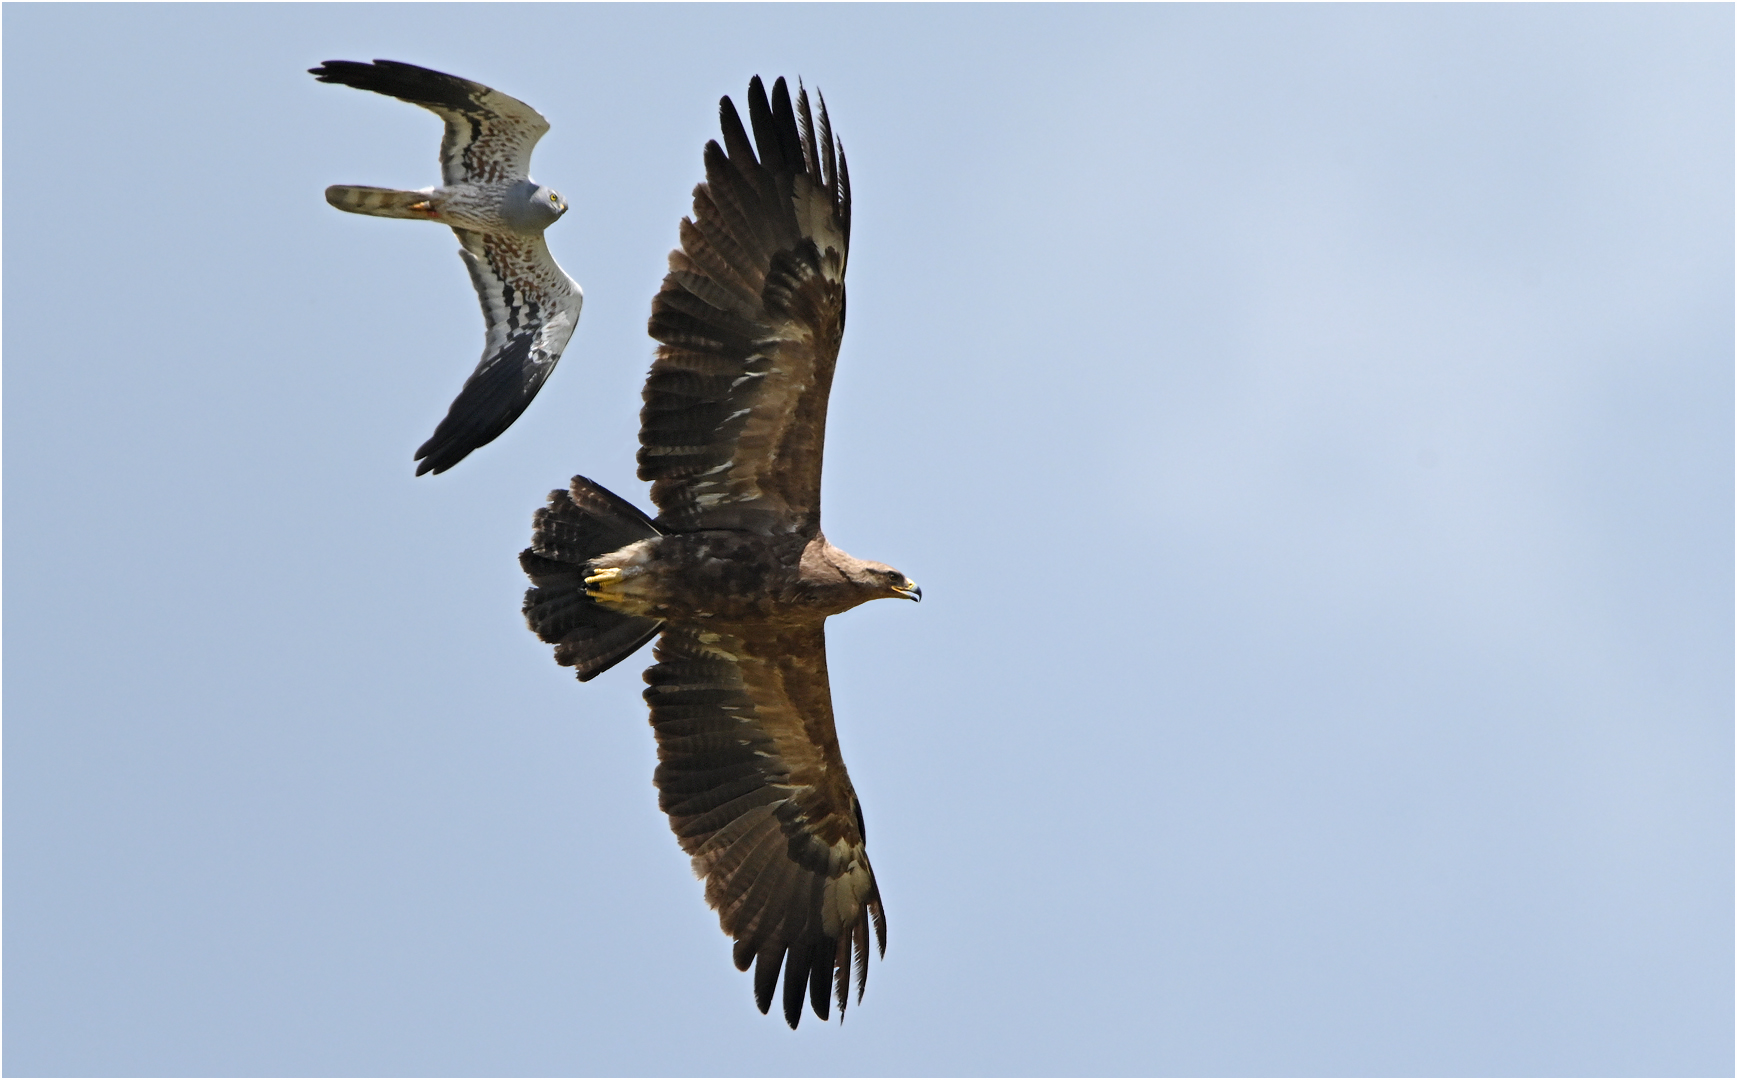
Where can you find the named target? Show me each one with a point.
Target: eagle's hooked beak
(910, 591)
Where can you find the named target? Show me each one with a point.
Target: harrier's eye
(554, 200)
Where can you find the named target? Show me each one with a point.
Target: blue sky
(1311, 428)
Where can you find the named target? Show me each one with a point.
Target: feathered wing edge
(489, 135)
(749, 318)
(756, 792)
(530, 308)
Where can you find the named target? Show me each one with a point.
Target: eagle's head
(884, 581)
(838, 581)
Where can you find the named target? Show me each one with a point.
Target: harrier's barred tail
(578, 525)
(379, 201)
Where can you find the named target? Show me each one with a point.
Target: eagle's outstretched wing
(750, 317)
(489, 135)
(530, 308)
(751, 777)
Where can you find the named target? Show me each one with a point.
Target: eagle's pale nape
(489, 201)
(734, 576)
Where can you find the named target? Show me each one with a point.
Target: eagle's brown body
(734, 576)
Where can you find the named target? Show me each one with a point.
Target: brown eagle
(734, 572)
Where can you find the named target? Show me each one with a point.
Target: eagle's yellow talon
(598, 583)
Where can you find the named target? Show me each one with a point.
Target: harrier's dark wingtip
(491, 400)
(358, 73)
(458, 435)
(406, 82)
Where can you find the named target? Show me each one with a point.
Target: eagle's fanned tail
(580, 523)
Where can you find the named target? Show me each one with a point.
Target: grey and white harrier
(499, 213)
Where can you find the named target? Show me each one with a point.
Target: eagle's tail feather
(578, 525)
(380, 202)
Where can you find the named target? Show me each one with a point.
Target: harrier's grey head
(529, 208)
